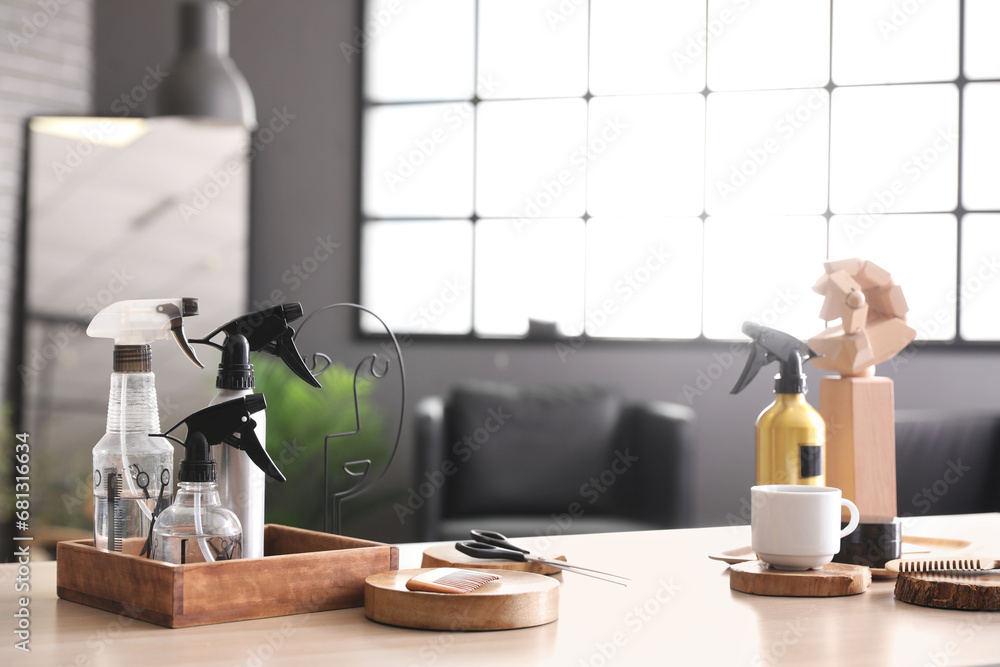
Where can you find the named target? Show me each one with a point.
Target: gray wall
(45, 67)
(305, 188)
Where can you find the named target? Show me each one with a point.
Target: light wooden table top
(678, 610)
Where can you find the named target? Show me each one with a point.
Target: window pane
(894, 148)
(417, 275)
(981, 144)
(645, 155)
(889, 41)
(532, 49)
(775, 44)
(417, 50)
(979, 291)
(644, 277)
(647, 46)
(533, 271)
(418, 160)
(982, 48)
(763, 270)
(919, 251)
(531, 158)
(767, 152)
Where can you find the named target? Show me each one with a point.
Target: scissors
(490, 544)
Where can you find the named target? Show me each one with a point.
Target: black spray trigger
(218, 423)
(285, 347)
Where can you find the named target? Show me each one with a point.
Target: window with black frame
(640, 169)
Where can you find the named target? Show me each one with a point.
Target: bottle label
(810, 460)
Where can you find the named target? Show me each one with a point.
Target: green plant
(299, 418)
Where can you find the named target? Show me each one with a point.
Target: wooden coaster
(759, 578)
(446, 555)
(516, 600)
(950, 590)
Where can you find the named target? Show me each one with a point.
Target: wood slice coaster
(446, 555)
(950, 590)
(759, 578)
(516, 600)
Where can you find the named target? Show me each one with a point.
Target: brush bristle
(450, 580)
(939, 565)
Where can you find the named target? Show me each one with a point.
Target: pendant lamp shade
(203, 80)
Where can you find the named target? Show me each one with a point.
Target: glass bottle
(197, 527)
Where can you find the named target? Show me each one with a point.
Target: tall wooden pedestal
(861, 443)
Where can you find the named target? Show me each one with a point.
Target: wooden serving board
(950, 590)
(759, 578)
(446, 555)
(516, 600)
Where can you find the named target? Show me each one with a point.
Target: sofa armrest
(430, 451)
(660, 437)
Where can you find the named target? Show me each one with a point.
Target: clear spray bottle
(132, 471)
(198, 526)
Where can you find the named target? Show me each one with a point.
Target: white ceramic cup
(797, 527)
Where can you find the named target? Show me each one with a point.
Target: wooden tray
(302, 571)
(446, 555)
(516, 600)
(833, 580)
(950, 590)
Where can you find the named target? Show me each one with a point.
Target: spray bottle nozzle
(228, 423)
(769, 345)
(268, 331)
(141, 321)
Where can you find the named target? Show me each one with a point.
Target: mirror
(114, 209)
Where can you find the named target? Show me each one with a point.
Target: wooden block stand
(302, 571)
(861, 443)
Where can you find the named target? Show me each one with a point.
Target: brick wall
(46, 67)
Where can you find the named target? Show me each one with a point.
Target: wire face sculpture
(356, 469)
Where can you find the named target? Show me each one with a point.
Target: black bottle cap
(790, 379)
(197, 465)
(235, 370)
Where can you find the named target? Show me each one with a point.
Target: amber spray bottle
(791, 434)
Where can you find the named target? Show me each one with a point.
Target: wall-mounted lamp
(203, 80)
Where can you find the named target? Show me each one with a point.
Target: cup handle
(855, 517)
